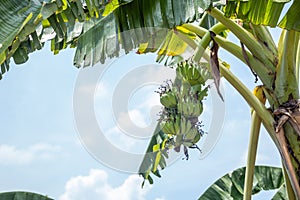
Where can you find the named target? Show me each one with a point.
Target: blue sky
(41, 151)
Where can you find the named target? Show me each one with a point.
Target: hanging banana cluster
(182, 101)
(178, 125)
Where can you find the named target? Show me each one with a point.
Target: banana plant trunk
(289, 140)
(286, 105)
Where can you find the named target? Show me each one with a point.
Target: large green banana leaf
(75, 22)
(26, 25)
(22, 196)
(266, 12)
(136, 14)
(64, 20)
(231, 185)
(136, 22)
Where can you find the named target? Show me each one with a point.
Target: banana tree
(96, 28)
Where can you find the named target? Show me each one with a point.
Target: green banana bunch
(190, 107)
(190, 73)
(178, 142)
(191, 137)
(185, 125)
(195, 89)
(178, 124)
(171, 126)
(189, 132)
(168, 100)
(185, 89)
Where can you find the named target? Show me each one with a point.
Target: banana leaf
(131, 24)
(231, 185)
(20, 195)
(26, 25)
(266, 12)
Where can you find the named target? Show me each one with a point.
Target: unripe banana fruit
(190, 107)
(190, 73)
(171, 126)
(168, 100)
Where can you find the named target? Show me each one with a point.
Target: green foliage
(19, 195)
(14, 30)
(70, 19)
(33, 23)
(136, 22)
(231, 185)
(291, 19)
(266, 12)
(100, 29)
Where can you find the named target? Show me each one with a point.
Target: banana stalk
(218, 28)
(265, 74)
(246, 38)
(252, 151)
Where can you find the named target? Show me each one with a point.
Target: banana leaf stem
(218, 28)
(265, 75)
(252, 100)
(267, 120)
(252, 151)
(246, 38)
(262, 112)
(263, 35)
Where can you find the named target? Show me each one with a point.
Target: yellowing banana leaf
(112, 5)
(167, 43)
(155, 156)
(266, 12)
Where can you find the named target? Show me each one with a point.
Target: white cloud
(120, 139)
(151, 101)
(11, 155)
(96, 186)
(137, 117)
(125, 142)
(102, 90)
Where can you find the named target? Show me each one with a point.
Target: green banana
(191, 74)
(177, 125)
(191, 137)
(197, 138)
(164, 127)
(168, 127)
(178, 142)
(202, 94)
(198, 108)
(168, 100)
(191, 134)
(195, 89)
(185, 99)
(185, 89)
(186, 125)
(185, 109)
(190, 107)
(183, 125)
